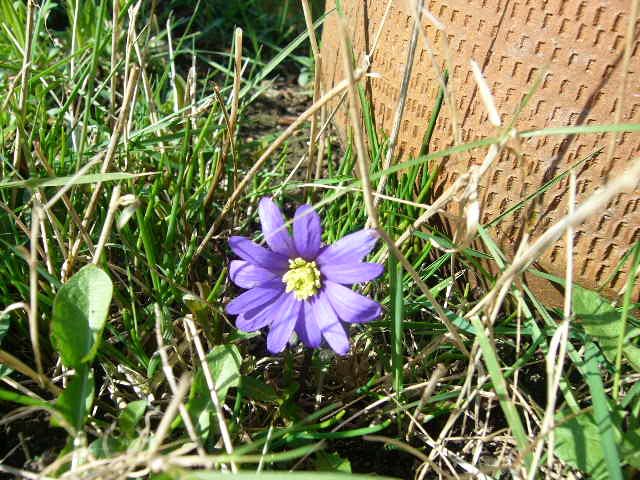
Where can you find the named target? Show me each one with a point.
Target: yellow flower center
(303, 278)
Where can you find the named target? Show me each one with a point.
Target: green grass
(133, 184)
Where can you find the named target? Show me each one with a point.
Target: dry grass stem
(45, 238)
(18, 152)
(211, 384)
(625, 182)
(407, 448)
(16, 364)
(34, 331)
(346, 189)
(265, 449)
(170, 413)
(355, 117)
(171, 138)
(313, 144)
(148, 92)
(72, 181)
(235, 195)
(53, 220)
(402, 98)
(317, 61)
(115, 36)
(362, 162)
(11, 89)
(426, 394)
(237, 78)
(378, 35)
(172, 64)
(171, 380)
(558, 344)
(106, 162)
(485, 94)
(19, 473)
(465, 397)
(439, 69)
(108, 224)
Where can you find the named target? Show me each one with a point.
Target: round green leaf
(79, 315)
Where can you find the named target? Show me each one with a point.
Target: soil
(270, 114)
(374, 457)
(30, 443)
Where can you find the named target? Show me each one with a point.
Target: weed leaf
(604, 324)
(332, 462)
(578, 444)
(130, 416)
(224, 363)
(75, 402)
(79, 315)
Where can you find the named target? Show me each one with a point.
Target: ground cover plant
(140, 143)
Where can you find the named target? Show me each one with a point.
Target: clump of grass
(126, 165)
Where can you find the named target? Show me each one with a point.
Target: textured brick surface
(577, 46)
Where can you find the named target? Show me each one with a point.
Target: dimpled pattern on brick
(575, 48)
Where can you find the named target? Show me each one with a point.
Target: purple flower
(299, 284)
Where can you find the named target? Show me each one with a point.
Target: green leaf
(632, 399)
(578, 444)
(224, 363)
(79, 315)
(256, 389)
(9, 396)
(332, 462)
(56, 417)
(130, 416)
(602, 412)
(5, 323)
(631, 448)
(4, 371)
(604, 324)
(75, 402)
(107, 446)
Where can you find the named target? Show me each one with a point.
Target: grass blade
(79, 180)
(601, 411)
(397, 336)
(500, 385)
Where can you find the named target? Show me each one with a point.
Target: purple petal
(285, 318)
(252, 324)
(259, 317)
(307, 232)
(273, 228)
(350, 306)
(247, 275)
(350, 249)
(256, 297)
(307, 327)
(337, 338)
(350, 273)
(330, 326)
(260, 256)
